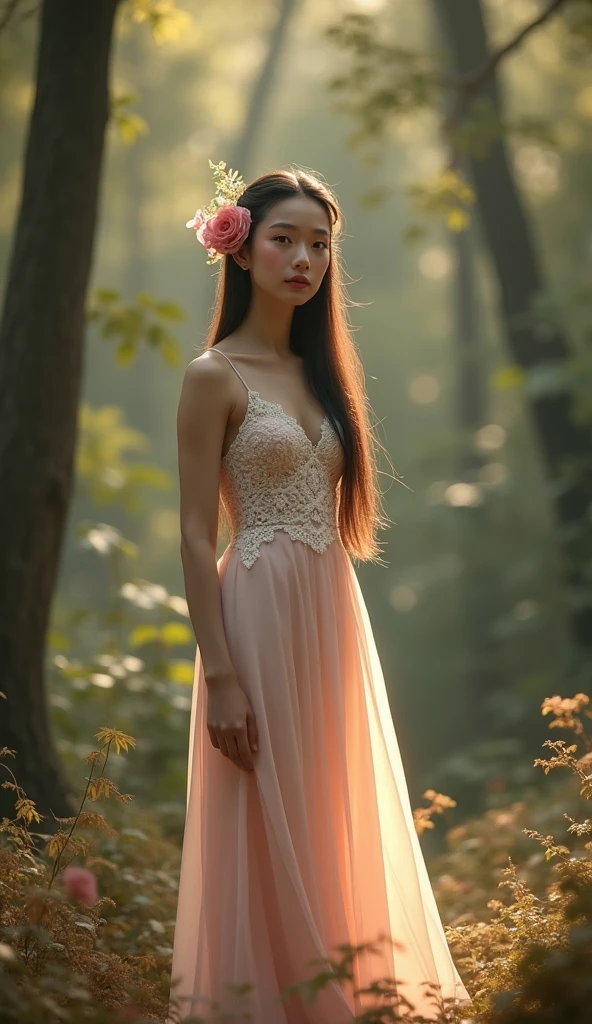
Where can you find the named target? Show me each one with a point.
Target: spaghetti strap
(214, 349)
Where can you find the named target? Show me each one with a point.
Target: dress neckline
(313, 445)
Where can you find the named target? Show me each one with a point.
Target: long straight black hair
(321, 335)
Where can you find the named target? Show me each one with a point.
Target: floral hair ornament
(222, 226)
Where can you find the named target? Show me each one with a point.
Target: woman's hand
(231, 722)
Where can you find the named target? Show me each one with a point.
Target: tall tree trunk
(479, 671)
(244, 147)
(507, 231)
(41, 349)
(480, 676)
(136, 263)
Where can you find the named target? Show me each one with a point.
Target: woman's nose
(302, 257)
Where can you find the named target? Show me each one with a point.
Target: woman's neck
(267, 325)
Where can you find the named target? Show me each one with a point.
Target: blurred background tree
(472, 618)
(41, 355)
(41, 339)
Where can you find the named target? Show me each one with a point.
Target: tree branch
(472, 82)
(7, 13)
(468, 85)
(10, 10)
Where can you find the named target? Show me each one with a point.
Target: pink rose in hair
(226, 231)
(81, 885)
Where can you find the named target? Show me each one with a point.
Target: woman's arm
(204, 406)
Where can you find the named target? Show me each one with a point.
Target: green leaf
(126, 353)
(143, 635)
(170, 350)
(59, 640)
(181, 671)
(106, 295)
(149, 474)
(155, 334)
(175, 633)
(129, 549)
(169, 311)
(457, 220)
(508, 377)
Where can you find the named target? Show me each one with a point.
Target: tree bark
(481, 677)
(507, 231)
(41, 353)
(244, 147)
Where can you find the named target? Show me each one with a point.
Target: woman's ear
(242, 257)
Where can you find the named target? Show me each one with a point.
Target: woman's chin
(300, 298)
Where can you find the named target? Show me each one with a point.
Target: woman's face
(293, 239)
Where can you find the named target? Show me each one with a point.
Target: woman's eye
(277, 238)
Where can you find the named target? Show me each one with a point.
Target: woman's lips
(298, 284)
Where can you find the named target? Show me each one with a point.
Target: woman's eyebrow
(294, 227)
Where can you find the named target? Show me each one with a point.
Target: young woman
(299, 833)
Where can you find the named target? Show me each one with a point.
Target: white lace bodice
(274, 478)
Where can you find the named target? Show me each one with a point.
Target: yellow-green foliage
(57, 954)
(531, 960)
(526, 959)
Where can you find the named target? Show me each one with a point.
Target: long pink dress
(317, 846)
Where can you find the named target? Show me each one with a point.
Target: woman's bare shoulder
(206, 371)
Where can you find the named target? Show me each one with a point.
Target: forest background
(471, 615)
(457, 136)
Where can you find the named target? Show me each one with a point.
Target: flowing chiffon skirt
(317, 846)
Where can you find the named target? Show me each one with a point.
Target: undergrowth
(92, 942)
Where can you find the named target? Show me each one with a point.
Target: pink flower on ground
(130, 1012)
(81, 885)
(226, 231)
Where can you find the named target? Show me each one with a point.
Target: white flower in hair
(222, 226)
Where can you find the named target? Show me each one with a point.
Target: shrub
(70, 955)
